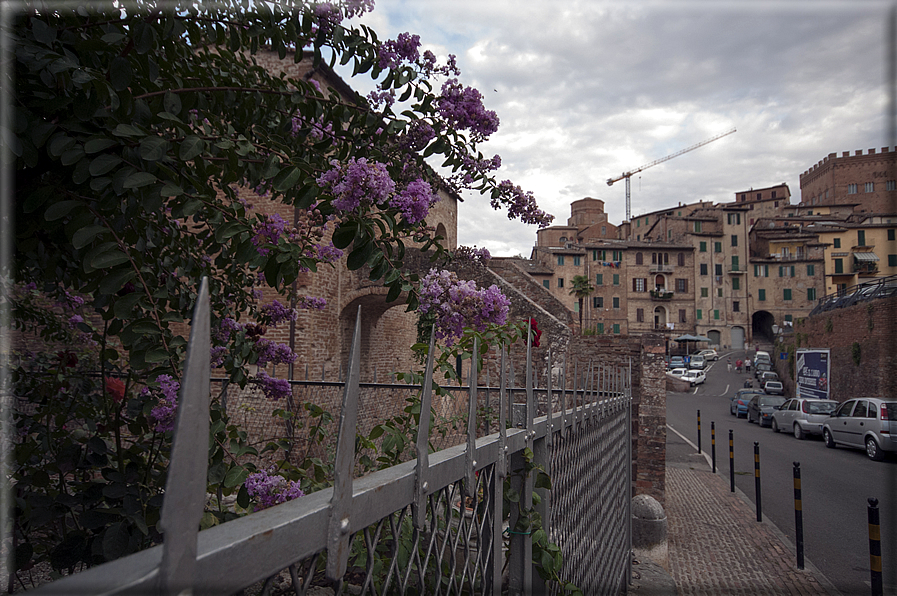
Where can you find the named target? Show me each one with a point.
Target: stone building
(858, 249)
(868, 180)
(764, 202)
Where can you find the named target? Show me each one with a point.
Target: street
(835, 482)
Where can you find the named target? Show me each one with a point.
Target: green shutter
(761, 295)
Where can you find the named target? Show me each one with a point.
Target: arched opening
(761, 325)
(382, 324)
(660, 282)
(737, 338)
(660, 317)
(440, 231)
(715, 337)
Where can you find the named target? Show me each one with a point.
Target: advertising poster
(813, 371)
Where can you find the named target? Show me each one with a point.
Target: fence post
(470, 480)
(185, 488)
(757, 480)
(501, 472)
(731, 463)
(341, 501)
(520, 572)
(875, 548)
(421, 486)
(798, 518)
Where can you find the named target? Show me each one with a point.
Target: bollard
(731, 463)
(757, 480)
(699, 431)
(713, 444)
(798, 518)
(875, 548)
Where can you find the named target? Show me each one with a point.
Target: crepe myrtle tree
(135, 126)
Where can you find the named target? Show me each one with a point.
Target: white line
(725, 391)
(693, 446)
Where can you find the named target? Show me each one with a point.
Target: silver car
(803, 416)
(868, 423)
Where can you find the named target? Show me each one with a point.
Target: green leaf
(103, 164)
(172, 103)
(113, 281)
(243, 497)
(359, 257)
(343, 235)
(153, 148)
(120, 73)
(139, 179)
(236, 475)
(85, 236)
(115, 541)
(190, 147)
(98, 144)
(43, 32)
(127, 130)
(217, 472)
(228, 230)
(287, 179)
(156, 355)
(171, 190)
(109, 259)
(124, 305)
(60, 209)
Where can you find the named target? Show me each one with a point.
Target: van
(761, 355)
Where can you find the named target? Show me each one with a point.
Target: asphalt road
(835, 482)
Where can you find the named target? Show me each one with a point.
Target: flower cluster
(380, 99)
(456, 304)
(276, 313)
(163, 414)
(356, 183)
(271, 489)
(462, 107)
(521, 205)
(115, 388)
(429, 66)
(472, 254)
(327, 253)
(271, 387)
(391, 53)
(415, 201)
(328, 16)
(273, 352)
(312, 303)
(418, 136)
(315, 130)
(268, 231)
(352, 8)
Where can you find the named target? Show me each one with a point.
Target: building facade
(867, 180)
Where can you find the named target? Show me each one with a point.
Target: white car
(679, 373)
(695, 377)
(709, 354)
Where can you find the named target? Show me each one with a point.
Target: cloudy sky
(587, 90)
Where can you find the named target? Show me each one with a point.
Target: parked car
(769, 375)
(677, 372)
(708, 354)
(774, 388)
(803, 416)
(676, 362)
(697, 362)
(761, 408)
(695, 377)
(738, 403)
(762, 368)
(868, 423)
(763, 356)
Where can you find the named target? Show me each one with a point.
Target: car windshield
(772, 401)
(821, 407)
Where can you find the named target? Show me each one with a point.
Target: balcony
(661, 295)
(736, 270)
(658, 268)
(866, 269)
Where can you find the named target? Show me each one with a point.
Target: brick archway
(387, 333)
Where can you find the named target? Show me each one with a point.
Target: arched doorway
(659, 282)
(737, 338)
(660, 317)
(761, 325)
(715, 337)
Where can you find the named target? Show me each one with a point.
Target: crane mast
(628, 175)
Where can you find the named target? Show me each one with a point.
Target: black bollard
(875, 548)
(757, 480)
(699, 431)
(713, 444)
(731, 463)
(798, 518)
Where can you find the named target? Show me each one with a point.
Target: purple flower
(382, 98)
(271, 489)
(328, 253)
(312, 303)
(419, 134)
(165, 412)
(356, 183)
(456, 304)
(74, 320)
(226, 327)
(216, 356)
(272, 352)
(271, 387)
(520, 205)
(275, 313)
(328, 16)
(472, 254)
(391, 53)
(353, 8)
(415, 201)
(268, 231)
(462, 107)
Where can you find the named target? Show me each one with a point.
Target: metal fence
(430, 525)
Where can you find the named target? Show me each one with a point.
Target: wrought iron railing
(433, 524)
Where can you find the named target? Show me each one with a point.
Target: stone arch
(387, 333)
(761, 324)
(660, 317)
(440, 231)
(715, 337)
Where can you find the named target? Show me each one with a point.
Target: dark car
(761, 408)
(739, 402)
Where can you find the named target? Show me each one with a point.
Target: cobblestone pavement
(716, 545)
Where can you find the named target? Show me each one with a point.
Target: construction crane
(627, 175)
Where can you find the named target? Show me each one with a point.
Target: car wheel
(827, 437)
(774, 425)
(873, 450)
(798, 432)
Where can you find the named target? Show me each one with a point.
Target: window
(716, 315)
(617, 255)
(604, 230)
(681, 285)
(576, 261)
(680, 259)
(698, 314)
(560, 282)
(870, 187)
(640, 315)
(773, 194)
(616, 302)
(719, 292)
(718, 269)
(560, 260)
(789, 318)
(734, 218)
(616, 328)
(891, 234)
(736, 306)
(653, 258)
(597, 255)
(756, 270)
(639, 259)
(599, 328)
(734, 240)
(811, 270)
(765, 270)
(717, 247)
(761, 295)
(698, 226)
(616, 279)
(669, 233)
(892, 260)
(546, 283)
(786, 271)
(702, 247)
(735, 263)
(597, 302)
(576, 307)
(851, 189)
(736, 283)
(811, 293)
(839, 265)
(703, 268)
(639, 284)
(743, 197)
(758, 196)
(891, 185)
(704, 292)
(861, 237)
(836, 243)
(786, 294)
(599, 279)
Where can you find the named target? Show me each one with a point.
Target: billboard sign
(813, 373)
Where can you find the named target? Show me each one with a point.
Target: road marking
(693, 446)
(725, 392)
